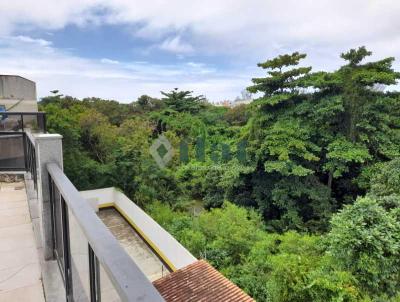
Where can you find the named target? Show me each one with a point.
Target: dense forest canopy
(312, 214)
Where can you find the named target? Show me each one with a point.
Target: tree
(183, 101)
(386, 179)
(238, 115)
(114, 111)
(322, 128)
(148, 103)
(365, 240)
(98, 135)
(361, 126)
(282, 146)
(283, 82)
(354, 83)
(282, 141)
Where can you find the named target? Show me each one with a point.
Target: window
(3, 109)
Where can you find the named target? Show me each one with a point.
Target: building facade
(17, 94)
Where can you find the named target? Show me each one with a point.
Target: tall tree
(183, 101)
(282, 147)
(361, 123)
(312, 134)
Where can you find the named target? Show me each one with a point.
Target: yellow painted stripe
(144, 236)
(106, 205)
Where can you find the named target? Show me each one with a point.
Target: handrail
(129, 281)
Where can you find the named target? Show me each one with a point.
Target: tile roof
(199, 281)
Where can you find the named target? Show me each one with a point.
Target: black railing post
(26, 152)
(66, 251)
(44, 122)
(94, 276)
(52, 214)
(22, 122)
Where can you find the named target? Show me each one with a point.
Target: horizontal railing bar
(21, 113)
(12, 134)
(129, 281)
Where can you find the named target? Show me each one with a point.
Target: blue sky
(120, 49)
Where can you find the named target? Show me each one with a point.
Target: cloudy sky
(120, 49)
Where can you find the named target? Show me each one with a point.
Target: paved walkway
(20, 277)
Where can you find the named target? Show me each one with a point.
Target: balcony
(58, 244)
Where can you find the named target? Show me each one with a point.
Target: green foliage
(304, 204)
(281, 85)
(286, 142)
(331, 126)
(365, 240)
(237, 116)
(146, 103)
(341, 153)
(222, 236)
(183, 101)
(270, 267)
(386, 180)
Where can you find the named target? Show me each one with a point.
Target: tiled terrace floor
(20, 277)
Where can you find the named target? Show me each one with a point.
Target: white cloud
(242, 30)
(258, 27)
(175, 45)
(109, 61)
(30, 40)
(53, 69)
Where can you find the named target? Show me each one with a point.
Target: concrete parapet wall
(20, 105)
(174, 254)
(100, 197)
(48, 149)
(18, 94)
(17, 88)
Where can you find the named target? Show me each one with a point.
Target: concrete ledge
(44, 136)
(174, 254)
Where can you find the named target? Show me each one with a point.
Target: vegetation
(311, 214)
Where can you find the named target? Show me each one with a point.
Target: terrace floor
(133, 244)
(20, 273)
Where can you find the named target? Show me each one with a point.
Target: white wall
(166, 246)
(19, 92)
(17, 88)
(21, 106)
(99, 197)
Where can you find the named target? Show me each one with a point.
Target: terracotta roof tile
(199, 282)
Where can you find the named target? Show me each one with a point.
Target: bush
(365, 240)
(293, 267)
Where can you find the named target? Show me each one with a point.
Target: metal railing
(12, 151)
(17, 150)
(30, 158)
(92, 263)
(20, 121)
